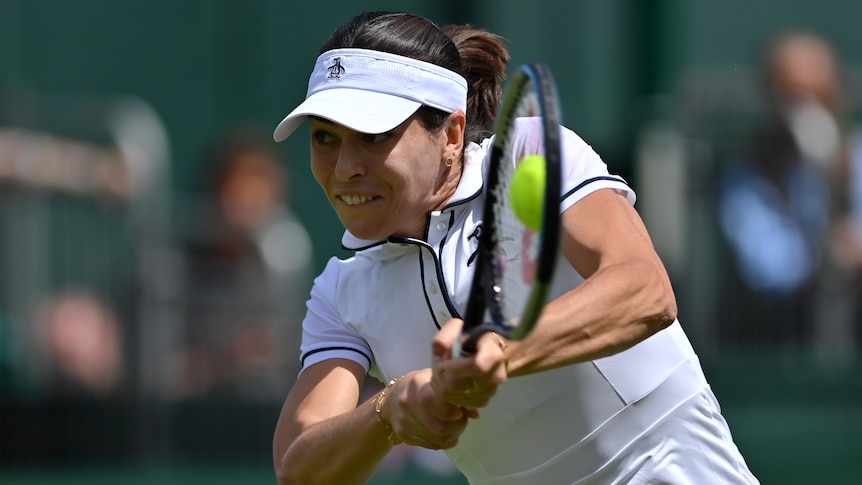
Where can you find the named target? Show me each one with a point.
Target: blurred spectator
(787, 205)
(79, 344)
(248, 268)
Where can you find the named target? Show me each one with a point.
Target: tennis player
(607, 388)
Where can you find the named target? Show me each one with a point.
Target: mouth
(352, 200)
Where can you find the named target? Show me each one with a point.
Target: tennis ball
(527, 191)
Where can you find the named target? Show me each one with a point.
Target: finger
(450, 379)
(433, 444)
(423, 429)
(471, 400)
(442, 411)
(471, 413)
(465, 392)
(424, 393)
(487, 363)
(491, 360)
(472, 381)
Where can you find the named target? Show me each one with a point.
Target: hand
(419, 416)
(468, 382)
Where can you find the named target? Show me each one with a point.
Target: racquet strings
(516, 248)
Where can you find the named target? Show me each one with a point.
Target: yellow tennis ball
(527, 191)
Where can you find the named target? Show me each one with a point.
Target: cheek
(320, 170)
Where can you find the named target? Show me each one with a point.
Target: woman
(605, 389)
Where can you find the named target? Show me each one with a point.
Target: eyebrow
(321, 120)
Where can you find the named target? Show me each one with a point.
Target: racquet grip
(465, 344)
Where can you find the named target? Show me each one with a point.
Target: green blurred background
(183, 72)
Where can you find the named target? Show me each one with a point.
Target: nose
(350, 163)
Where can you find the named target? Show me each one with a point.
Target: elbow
(658, 306)
(281, 475)
(665, 309)
(294, 470)
(284, 477)
(283, 471)
(666, 317)
(283, 480)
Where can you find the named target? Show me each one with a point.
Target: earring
(448, 162)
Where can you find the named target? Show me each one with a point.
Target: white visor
(373, 92)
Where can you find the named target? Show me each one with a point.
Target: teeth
(355, 199)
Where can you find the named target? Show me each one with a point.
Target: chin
(365, 232)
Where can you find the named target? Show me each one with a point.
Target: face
(805, 68)
(251, 190)
(384, 184)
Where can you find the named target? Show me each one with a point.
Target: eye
(322, 137)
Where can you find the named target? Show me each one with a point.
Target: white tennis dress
(645, 415)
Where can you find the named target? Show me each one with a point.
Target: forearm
(617, 307)
(345, 449)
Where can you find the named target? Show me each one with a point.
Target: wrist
(378, 409)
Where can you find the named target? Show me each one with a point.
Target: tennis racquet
(514, 264)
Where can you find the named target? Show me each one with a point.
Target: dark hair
(477, 55)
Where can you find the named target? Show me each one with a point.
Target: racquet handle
(465, 344)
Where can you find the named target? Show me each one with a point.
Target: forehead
(331, 125)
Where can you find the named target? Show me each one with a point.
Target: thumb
(441, 346)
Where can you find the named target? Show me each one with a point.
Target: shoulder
(528, 135)
(326, 283)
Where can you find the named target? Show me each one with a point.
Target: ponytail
(483, 64)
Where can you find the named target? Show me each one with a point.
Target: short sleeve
(324, 335)
(584, 172)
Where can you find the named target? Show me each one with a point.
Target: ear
(454, 134)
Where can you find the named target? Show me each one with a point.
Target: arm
(319, 415)
(323, 437)
(625, 298)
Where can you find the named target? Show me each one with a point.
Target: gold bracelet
(378, 402)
